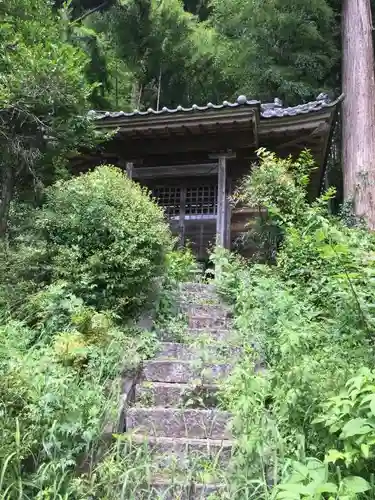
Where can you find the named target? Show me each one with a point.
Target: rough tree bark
(358, 112)
(6, 192)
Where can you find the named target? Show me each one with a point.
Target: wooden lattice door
(192, 213)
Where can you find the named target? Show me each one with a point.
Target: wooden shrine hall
(192, 158)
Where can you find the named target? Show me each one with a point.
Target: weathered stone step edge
(169, 395)
(183, 372)
(197, 287)
(194, 305)
(184, 448)
(198, 309)
(169, 490)
(196, 491)
(201, 298)
(176, 350)
(179, 441)
(195, 321)
(173, 422)
(218, 334)
(184, 454)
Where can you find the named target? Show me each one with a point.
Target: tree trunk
(358, 111)
(7, 184)
(134, 95)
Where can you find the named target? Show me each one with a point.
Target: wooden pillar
(127, 166)
(223, 208)
(129, 169)
(221, 201)
(228, 241)
(181, 221)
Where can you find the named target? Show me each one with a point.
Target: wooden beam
(229, 155)
(138, 148)
(175, 170)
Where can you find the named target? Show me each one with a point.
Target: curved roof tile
(267, 110)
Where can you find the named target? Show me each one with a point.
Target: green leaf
(355, 427)
(294, 488)
(365, 449)
(287, 495)
(332, 456)
(301, 469)
(327, 488)
(356, 484)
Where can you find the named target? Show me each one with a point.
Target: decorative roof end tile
(278, 102)
(323, 97)
(241, 100)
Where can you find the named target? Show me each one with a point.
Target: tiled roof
(267, 110)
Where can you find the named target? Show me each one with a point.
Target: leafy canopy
(43, 98)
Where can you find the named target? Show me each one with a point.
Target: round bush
(106, 238)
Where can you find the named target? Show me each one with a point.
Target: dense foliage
(105, 237)
(277, 48)
(81, 257)
(43, 100)
(151, 53)
(75, 273)
(99, 233)
(311, 318)
(53, 398)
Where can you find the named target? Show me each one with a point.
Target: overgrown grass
(56, 399)
(66, 344)
(310, 317)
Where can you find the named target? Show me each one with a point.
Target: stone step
(219, 334)
(183, 454)
(189, 301)
(169, 395)
(171, 422)
(213, 351)
(164, 489)
(199, 294)
(204, 310)
(176, 350)
(183, 372)
(197, 287)
(204, 322)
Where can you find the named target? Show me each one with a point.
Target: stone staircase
(176, 414)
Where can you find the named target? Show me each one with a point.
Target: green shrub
(106, 238)
(25, 269)
(101, 234)
(181, 266)
(349, 417)
(92, 255)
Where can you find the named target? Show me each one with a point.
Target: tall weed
(72, 283)
(310, 319)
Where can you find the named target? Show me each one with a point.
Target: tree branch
(89, 12)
